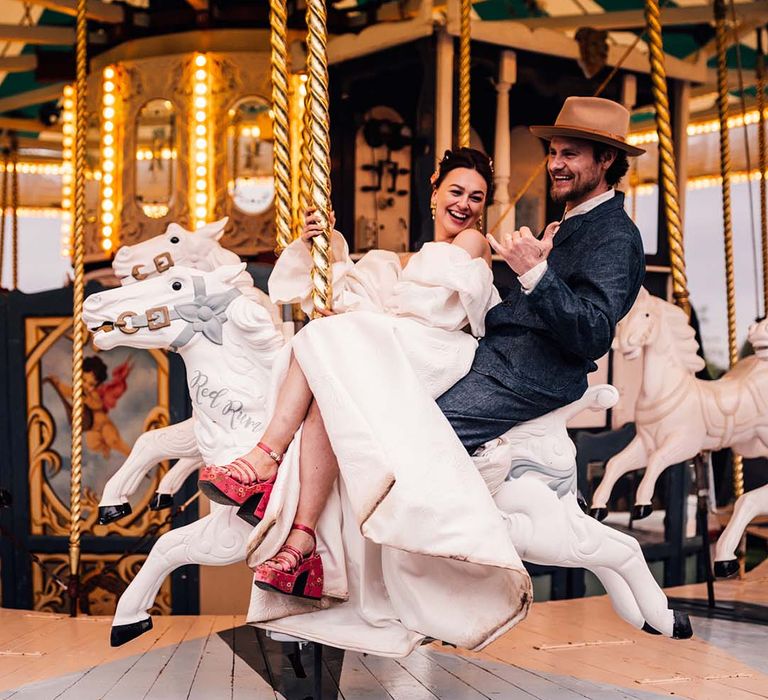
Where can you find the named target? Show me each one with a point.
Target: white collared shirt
(529, 280)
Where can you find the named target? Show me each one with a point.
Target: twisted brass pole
(3, 206)
(668, 173)
(760, 68)
(725, 174)
(15, 211)
(317, 64)
(296, 92)
(464, 65)
(78, 329)
(281, 155)
(305, 160)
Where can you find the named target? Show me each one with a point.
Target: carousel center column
(502, 165)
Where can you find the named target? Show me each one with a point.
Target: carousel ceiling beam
(19, 124)
(635, 19)
(31, 97)
(99, 11)
(744, 29)
(40, 36)
(18, 64)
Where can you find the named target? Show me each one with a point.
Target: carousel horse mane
(685, 347)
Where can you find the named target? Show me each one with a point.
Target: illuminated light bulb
(66, 153)
(108, 139)
(68, 128)
(255, 132)
(106, 231)
(108, 166)
(69, 90)
(200, 184)
(201, 75)
(109, 126)
(200, 129)
(109, 72)
(201, 157)
(201, 88)
(108, 152)
(201, 171)
(108, 112)
(109, 86)
(200, 60)
(200, 102)
(66, 203)
(107, 218)
(201, 144)
(106, 244)
(201, 198)
(200, 116)
(107, 205)
(200, 212)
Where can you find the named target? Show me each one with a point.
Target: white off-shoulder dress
(412, 543)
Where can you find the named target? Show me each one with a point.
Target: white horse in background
(531, 469)
(677, 415)
(752, 503)
(199, 250)
(228, 342)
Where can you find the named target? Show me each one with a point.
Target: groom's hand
(522, 250)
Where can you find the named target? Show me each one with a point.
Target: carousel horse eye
(176, 286)
(174, 239)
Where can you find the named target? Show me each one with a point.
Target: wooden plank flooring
(565, 650)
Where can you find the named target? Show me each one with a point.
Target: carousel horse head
(655, 323)
(758, 338)
(175, 309)
(199, 249)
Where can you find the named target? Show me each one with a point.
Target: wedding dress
(412, 544)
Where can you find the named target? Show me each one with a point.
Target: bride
(376, 514)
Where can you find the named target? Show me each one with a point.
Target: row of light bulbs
(200, 205)
(700, 183)
(699, 128)
(108, 158)
(67, 169)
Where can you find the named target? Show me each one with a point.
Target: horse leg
(150, 448)
(632, 457)
(215, 540)
(669, 452)
(749, 506)
(620, 595)
(173, 481)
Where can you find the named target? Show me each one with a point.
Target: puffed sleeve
(362, 286)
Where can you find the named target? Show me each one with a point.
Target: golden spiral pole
(668, 174)
(320, 168)
(305, 159)
(3, 207)
(78, 329)
(464, 66)
(15, 211)
(760, 68)
(278, 19)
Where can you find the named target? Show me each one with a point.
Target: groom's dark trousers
(539, 347)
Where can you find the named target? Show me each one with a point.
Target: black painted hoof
(726, 568)
(125, 633)
(650, 630)
(108, 514)
(582, 502)
(682, 627)
(599, 514)
(161, 501)
(640, 512)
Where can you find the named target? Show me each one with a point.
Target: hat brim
(548, 132)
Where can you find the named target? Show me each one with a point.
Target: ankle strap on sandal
(304, 528)
(266, 448)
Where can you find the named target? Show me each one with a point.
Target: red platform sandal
(304, 576)
(226, 485)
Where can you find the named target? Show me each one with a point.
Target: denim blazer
(546, 342)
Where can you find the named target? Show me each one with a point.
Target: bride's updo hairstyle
(465, 158)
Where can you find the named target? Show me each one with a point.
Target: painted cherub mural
(100, 395)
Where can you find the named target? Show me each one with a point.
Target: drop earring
(433, 209)
(480, 223)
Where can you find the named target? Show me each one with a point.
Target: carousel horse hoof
(726, 568)
(582, 503)
(108, 514)
(304, 576)
(641, 511)
(650, 630)
(125, 633)
(599, 514)
(161, 501)
(681, 629)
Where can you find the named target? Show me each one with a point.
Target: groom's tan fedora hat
(592, 118)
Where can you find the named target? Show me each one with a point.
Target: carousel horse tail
(304, 575)
(227, 485)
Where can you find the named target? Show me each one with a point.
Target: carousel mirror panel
(156, 157)
(249, 156)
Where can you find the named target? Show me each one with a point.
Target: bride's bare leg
(293, 402)
(318, 470)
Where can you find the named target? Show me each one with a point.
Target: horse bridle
(205, 314)
(163, 261)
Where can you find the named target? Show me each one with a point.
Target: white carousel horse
(752, 503)
(228, 343)
(199, 250)
(677, 415)
(538, 492)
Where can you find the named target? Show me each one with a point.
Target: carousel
(168, 152)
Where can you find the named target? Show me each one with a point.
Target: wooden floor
(566, 650)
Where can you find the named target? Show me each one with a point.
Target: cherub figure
(99, 397)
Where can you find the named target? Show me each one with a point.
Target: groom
(575, 282)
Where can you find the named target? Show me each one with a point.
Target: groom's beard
(576, 192)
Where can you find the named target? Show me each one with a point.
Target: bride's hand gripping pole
(320, 166)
